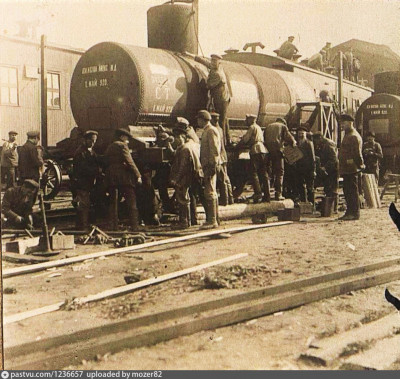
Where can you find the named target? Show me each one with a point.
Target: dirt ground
(275, 255)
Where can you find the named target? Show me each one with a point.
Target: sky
(222, 23)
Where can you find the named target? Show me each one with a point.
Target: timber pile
(371, 192)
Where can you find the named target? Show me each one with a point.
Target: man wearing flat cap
(350, 165)
(305, 167)
(31, 162)
(276, 135)
(217, 85)
(223, 182)
(17, 205)
(86, 172)
(372, 154)
(185, 170)
(210, 158)
(254, 139)
(122, 176)
(9, 160)
(288, 49)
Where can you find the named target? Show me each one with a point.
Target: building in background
(20, 87)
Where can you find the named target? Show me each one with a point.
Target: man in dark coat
(326, 150)
(288, 49)
(17, 205)
(122, 175)
(86, 170)
(186, 168)
(305, 167)
(258, 159)
(31, 162)
(9, 160)
(372, 154)
(350, 164)
(276, 135)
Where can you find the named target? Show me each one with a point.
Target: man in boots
(185, 169)
(86, 170)
(122, 176)
(258, 159)
(210, 158)
(223, 182)
(350, 164)
(9, 160)
(31, 162)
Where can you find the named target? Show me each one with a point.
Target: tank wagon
(380, 114)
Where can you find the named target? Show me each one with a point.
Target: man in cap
(217, 85)
(372, 154)
(9, 160)
(326, 150)
(288, 49)
(86, 171)
(31, 162)
(258, 159)
(210, 158)
(350, 164)
(17, 205)
(305, 166)
(223, 182)
(185, 170)
(122, 176)
(276, 135)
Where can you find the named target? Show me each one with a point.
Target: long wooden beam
(67, 261)
(61, 356)
(118, 291)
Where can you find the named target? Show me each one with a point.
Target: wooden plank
(118, 291)
(129, 338)
(328, 350)
(380, 357)
(62, 262)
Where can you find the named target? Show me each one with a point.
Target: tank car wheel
(51, 179)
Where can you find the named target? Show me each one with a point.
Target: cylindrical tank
(173, 26)
(387, 82)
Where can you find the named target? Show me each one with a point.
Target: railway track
(151, 329)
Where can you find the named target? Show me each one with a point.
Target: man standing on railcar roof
(31, 158)
(210, 158)
(350, 164)
(288, 49)
(122, 175)
(258, 159)
(9, 160)
(86, 171)
(217, 84)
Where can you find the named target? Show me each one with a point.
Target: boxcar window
(53, 90)
(9, 86)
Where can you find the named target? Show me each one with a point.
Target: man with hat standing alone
(122, 175)
(258, 154)
(9, 160)
(210, 158)
(86, 170)
(31, 162)
(217, 84)
(186, 168)
(350, 164)
(16, 210)
(372, 154)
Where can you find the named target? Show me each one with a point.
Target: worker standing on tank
(288, 49)
(258, 159)
(30, 163)
(223, 182)
(86, 170)
(210, 158)
(276, 135)
(217, 85)
(186, 168)
(9, 160)
(122, 176)
(372, 154)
